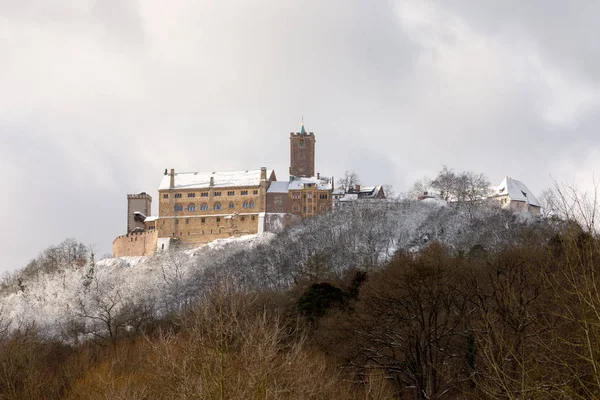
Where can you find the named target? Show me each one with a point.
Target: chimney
(263, 173)
(357, 188)
(212, 181)
(318, 175)
(166, 171)
(172, 185)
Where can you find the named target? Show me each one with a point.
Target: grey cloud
(97, 98)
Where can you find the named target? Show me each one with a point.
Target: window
(301, 142)
(310, 195)
(231, 193)
(323, 196)
(177, 195)
(217, 194)
(323, 207)
(191, 195)
(218, 220)
(165, 196)
(191, 207)
(245, 204)
(277, 200)
(255, 192)
(176, 222)
(244, 193)
(187, 221)
(251, 203)
(296, 208)
(204, 194)
(253, 217)
(243, 219)
(204, 207)
(231, 204)
(309, 209)
(178, 207)
(296, 196)
(202, 220)
(217, 206)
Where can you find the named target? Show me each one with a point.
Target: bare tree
(420, 188)
(445, 183)
(349, 180)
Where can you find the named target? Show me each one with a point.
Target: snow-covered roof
(370, 191)
(201, 180)
(151, 219)
(322, 183)
(349, 197)
(516, 190)
(278, 187)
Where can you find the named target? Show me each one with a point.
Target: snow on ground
(51, 302)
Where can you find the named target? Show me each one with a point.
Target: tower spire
(302, 131)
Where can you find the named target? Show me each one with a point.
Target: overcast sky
(98, 97)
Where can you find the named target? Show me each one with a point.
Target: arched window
(251, 203)
(204, 207)
(296, 207)
(178, 207)
(231, 204)
(246, 204)
(191, 207)
(217, 206)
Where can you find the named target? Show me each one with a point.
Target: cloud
(97, 98)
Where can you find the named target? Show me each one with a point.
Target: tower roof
(302, 130)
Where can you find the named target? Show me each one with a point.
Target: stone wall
(276, 222)
(199, 229)
(135, 244)
(302, 154)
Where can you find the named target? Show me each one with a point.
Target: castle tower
(139, 206)
(302, 153)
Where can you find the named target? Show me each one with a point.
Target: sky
(97, 98)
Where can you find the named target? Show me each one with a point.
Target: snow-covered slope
(54, 302)
(80, 299)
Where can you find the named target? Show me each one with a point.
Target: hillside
(70, 302)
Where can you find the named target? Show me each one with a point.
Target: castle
(198, 207)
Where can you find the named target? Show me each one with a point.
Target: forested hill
(56, 289)
(263, 294)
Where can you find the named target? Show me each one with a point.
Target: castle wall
(199, 229)
(135, 244)
(276, 222)
(141, 203)
(302, 154)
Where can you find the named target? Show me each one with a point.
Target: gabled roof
(516, 190)
(367, 191)
(278, 187)
(222, 179)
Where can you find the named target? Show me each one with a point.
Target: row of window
(309, 208)
(215, 194)
(218, 220)
(297, 196)
(216, 206)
